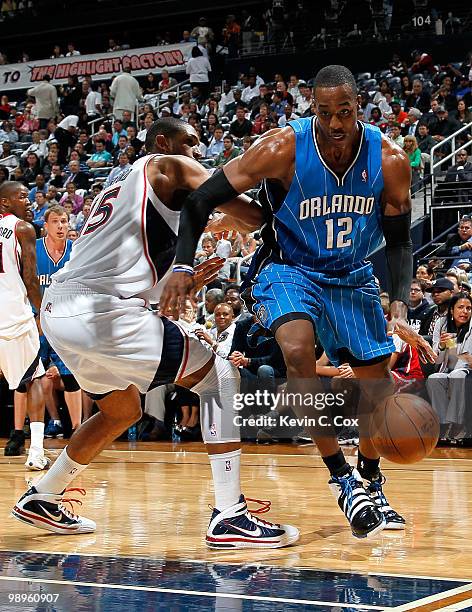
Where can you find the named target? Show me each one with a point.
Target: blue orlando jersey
(325, 224)
(45, 263)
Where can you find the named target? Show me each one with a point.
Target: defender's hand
(408, 335)
(179, 288)
(207, 271)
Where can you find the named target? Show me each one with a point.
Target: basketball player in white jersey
(96, 314)
(19, 289)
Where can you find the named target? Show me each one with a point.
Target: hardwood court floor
(151, 500)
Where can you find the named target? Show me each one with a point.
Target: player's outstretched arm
(270, 157)
(27, 239)
(396, 221)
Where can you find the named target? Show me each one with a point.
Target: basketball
(404, 428)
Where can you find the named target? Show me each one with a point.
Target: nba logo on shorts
(213, 429)
(48, 307)
(364, 176)
(228, 465)
(262, 314)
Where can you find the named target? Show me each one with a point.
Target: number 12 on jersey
(344, 224)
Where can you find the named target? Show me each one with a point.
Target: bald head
(7, 188)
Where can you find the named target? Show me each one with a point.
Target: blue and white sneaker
(54, 430)
(362, 513)
(237, 527)
(375, 490)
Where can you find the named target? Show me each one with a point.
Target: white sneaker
(47, 511)
(37, 460)
(237, 527)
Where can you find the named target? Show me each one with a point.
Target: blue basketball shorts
(345, 316)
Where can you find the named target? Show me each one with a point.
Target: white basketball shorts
(110, 343)
(19, 358)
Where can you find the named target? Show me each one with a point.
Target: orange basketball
(404, 428)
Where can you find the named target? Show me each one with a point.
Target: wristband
(183, 268)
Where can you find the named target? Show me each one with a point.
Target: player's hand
(408, 335)
(222, 224)
(345, 371)
(207, 271)
(179, 288)
(52, 372)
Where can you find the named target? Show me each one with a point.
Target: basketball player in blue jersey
(52, 252)
(333, 188)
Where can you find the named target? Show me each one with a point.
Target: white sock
(226, 469)
(60, 474)
(37, 434)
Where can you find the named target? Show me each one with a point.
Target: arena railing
(436, 165)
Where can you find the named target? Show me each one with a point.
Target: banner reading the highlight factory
(101, 66)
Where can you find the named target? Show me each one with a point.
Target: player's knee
(299, 358)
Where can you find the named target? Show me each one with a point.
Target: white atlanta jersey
(16, 313)
(127, 246)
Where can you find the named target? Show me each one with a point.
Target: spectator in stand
(396, 135)
(240, 126)
(251, 91)
(278, 105)
(113, 46)
(41, 206)
(441, 294)
(377, 119)
(28, 124)
(7, 158)
(39, 185)
(422, 62)
(418, 98)
(46, 106)
(443, 128)
(216, 145)
(231, 108)
(187, 38)
(410, 147)
(71, 50)
(452, 341)
(93, 103)
(148, 121)
(460, 243)
(412, 123)
(445, 96)
(398, 66)
(77, 154)
(262, 120)
(73, 174)
(166, 82)
(198, 69)
(72, 234)
(462, 115)
(7, 133)
(288, 115)
(101, 158)
(220, 338)
(248, 142)
(52, 196)
(425, 141)
(56, 52)
(38, 145)
(457, 186)
(264, 97)
(32, 168)
(5, 108)
(65, 136)
(4, 174)
(203, 34)
(56, 178)
(229, 153)
(232, 36)
(72, 195)
(71, 96)
(281, 88)
(123, 165)
(293, 89)
(84, 214)
(125, 93)
(400, 114)
(419, 306)
(131, 133)
(227, 97)
(305, 100)
(151, 86)
(365, 104)
(118, 130)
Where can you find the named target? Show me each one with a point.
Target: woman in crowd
(426, 274)
(377, 119)
(4, 174)
(28, 124)
(407, 87)
(212, 122)
(5, 108)
(452, 341)
(151, 85)
(32, 168)
(199, 69)
(410, 147)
